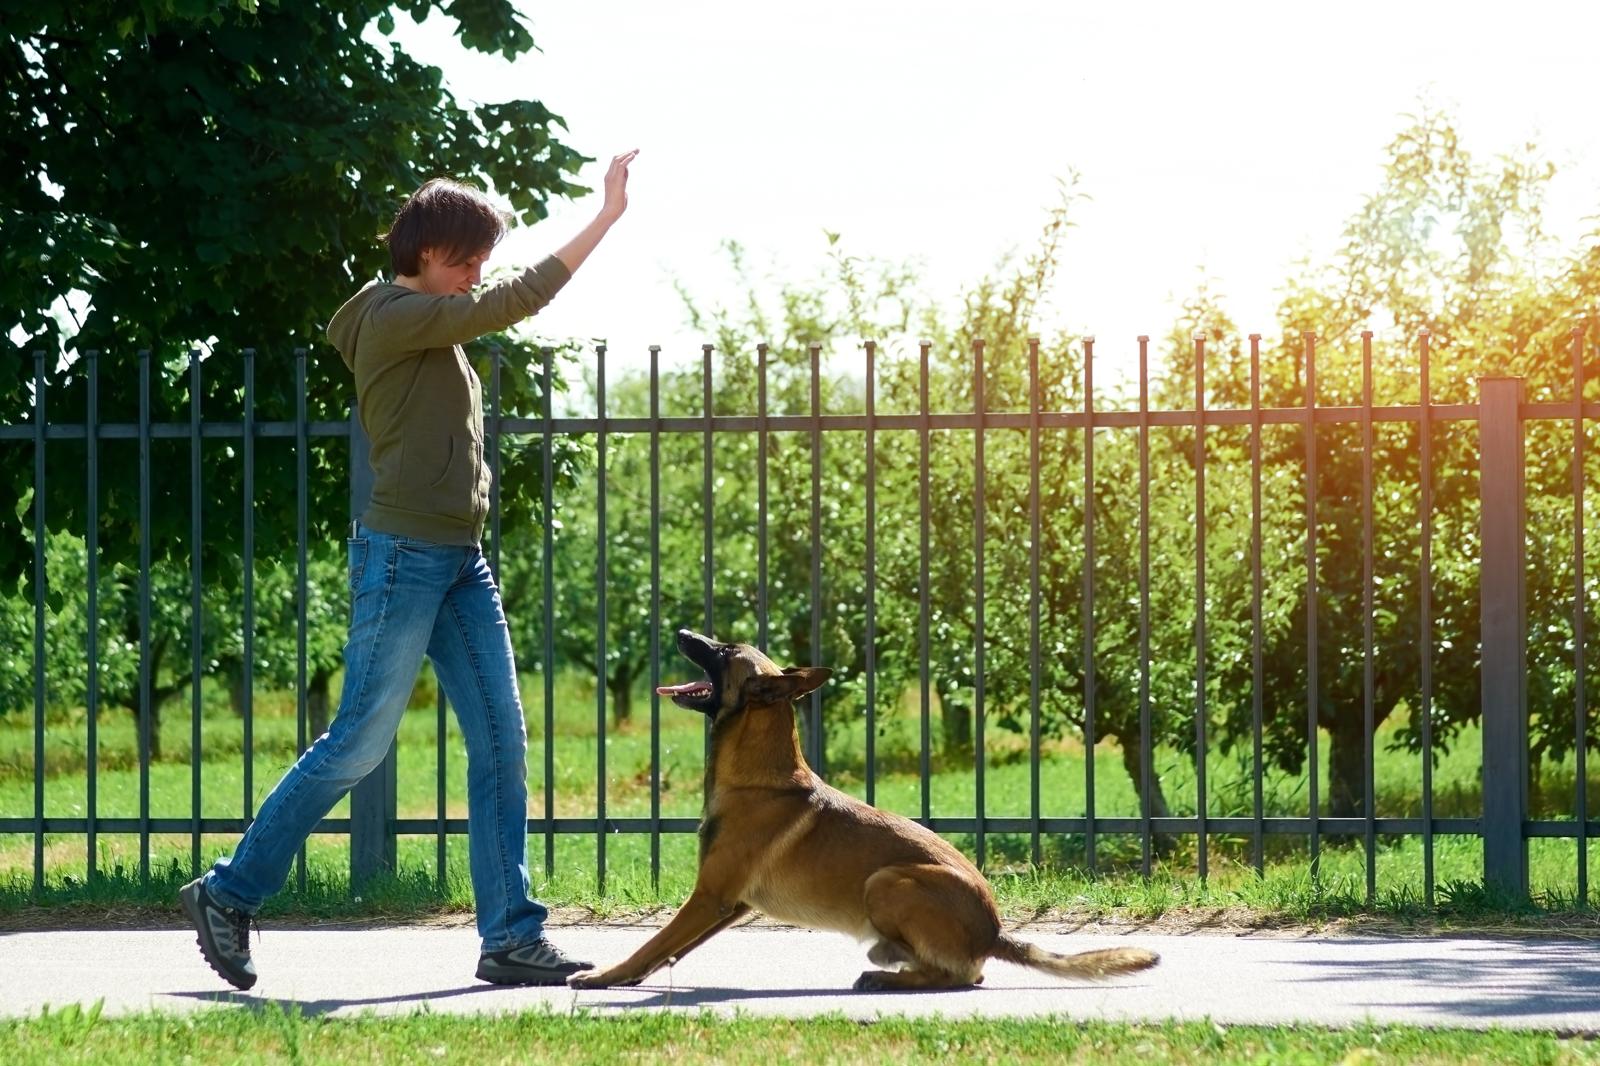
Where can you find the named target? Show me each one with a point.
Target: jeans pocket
(358, 561)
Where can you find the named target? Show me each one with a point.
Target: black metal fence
(1501, 415)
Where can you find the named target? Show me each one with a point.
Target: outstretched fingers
(617, 181)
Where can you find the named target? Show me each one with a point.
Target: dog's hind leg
(934, 917)
(895, 956)
(911, 980)
(890, 954)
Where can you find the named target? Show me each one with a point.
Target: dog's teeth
(685, 689)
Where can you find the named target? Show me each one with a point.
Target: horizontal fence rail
(1500, 418)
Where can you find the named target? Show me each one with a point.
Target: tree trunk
(1162, 844)
(157, 699)
(955, 720)
(155, 727)
(620, 685)
(317, 703)
(1347, 769)
(158, 651)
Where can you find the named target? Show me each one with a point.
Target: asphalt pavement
(759, 970)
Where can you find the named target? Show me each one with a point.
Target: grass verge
(1171, 901)
(273, 1034)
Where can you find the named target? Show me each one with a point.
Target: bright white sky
(1228, 138)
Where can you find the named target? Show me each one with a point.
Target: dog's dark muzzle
(696, 695)
(701, 651)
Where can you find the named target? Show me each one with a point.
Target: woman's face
(443, 277)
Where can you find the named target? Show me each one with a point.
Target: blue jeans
(411, 598)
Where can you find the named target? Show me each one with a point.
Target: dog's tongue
(685, 689)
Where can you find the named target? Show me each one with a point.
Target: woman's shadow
(314, 1008)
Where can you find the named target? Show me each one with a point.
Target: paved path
(1548, 983)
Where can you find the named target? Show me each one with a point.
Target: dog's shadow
(668, 996)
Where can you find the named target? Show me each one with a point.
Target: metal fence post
(372, 801)
(1505, 708)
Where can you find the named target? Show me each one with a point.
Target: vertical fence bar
(441, 728)
(548, 354)
(1505, 712)
(761, 496)
(196, 612)
(655, 615)
(600, 630)
(979, 504)
(144, 616)
(1202, 852)
(1369, 725)
(1579, 627)
(707, 501)
(1034, 524)
(39, 590)
(92, 619)
(707, 504)
(814, 734)
(441, 855)
(872, 577)
(1309, 340)
(441, 724)
(248, 567)
(302, 447)
(922, 578)
(1089, 738)
(496, 426)
(1146, 769)
(1425, 651)
(1258, 843)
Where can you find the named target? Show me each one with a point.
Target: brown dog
(775, 838)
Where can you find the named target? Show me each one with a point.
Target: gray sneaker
(538, 963)
(222, 932)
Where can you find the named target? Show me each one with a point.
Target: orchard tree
(1454, 245)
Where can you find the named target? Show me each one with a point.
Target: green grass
(1286, 890)
(273, 1034)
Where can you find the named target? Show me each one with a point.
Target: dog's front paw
(593, 979)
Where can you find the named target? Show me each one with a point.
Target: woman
(419, 582)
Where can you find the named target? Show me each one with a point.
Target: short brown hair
(453, 217)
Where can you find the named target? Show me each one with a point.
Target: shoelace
(240, 923)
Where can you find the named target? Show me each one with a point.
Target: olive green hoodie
(420, 401)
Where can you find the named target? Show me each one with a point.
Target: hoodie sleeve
(421, 320)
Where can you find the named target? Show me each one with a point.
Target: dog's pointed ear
(767, 690)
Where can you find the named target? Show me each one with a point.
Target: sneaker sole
(191, 907)
(550, 980)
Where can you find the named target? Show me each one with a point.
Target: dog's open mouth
(689, 694)
(701, 695)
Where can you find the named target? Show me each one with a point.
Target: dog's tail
(1092, 965)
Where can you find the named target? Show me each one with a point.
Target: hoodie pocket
(449, 462)
(431, 472)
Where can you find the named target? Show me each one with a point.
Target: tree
(212, 176)
(1455, 246)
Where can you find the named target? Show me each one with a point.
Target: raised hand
(575, 251)
(616, 185)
